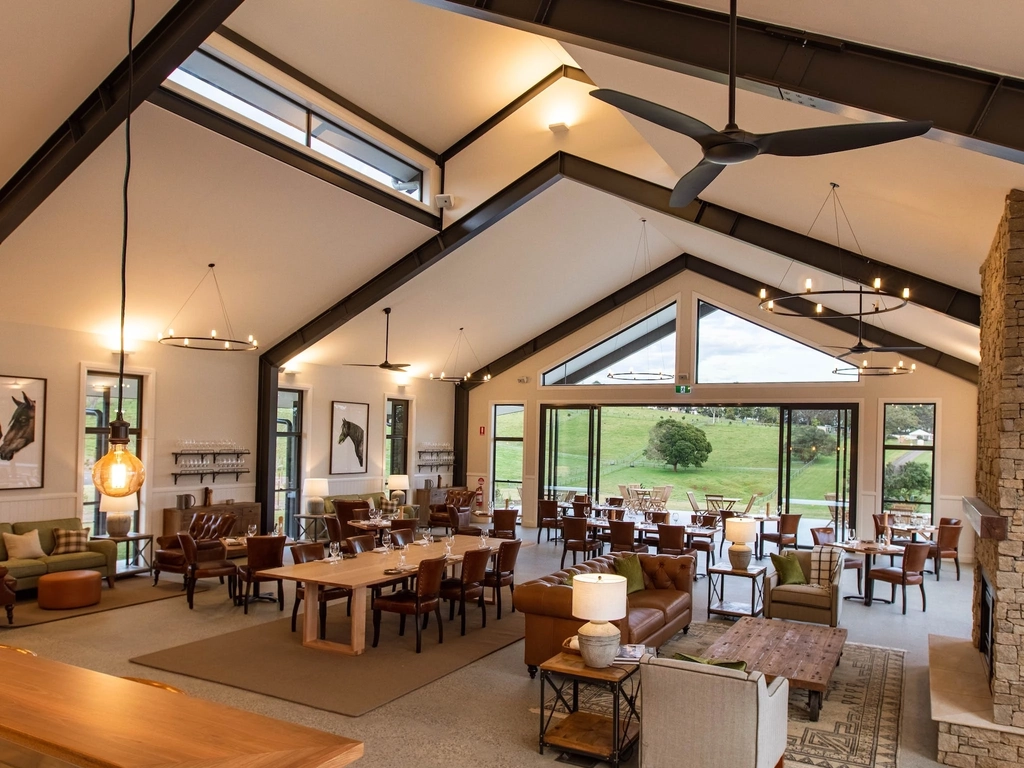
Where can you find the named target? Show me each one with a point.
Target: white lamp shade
(398, 482)
(740, 531)
(599, 596)
(127, 503)
(315, 486)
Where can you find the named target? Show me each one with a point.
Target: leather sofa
(804, 602)
(207, 530)
(460, 498)
(742, 723)
(654, 614)
(101, 555)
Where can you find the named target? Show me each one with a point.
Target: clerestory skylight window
(731, 350)
(283, 116)
(647, 346)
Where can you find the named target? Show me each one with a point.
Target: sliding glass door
(570, 445)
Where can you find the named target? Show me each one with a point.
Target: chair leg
(574, 557)
(401, 624)
(419, 634)
(451, 611)
(426, 619)
(539, 532)
(512, 594)
(956, 560)
(323, 621)
(924, 600)
(462, 610)
(10, 613)
(893, 595)
(440, 624)
(376, 627)
(937, 565)
(280, 594)
(156, 577)
(860, 578)
(190, 589)
(562, 565)
(483, 611)
(497, 597)
(295, 612)
(248, 585)
(904, 587)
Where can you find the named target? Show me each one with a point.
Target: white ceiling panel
(286, 245)
(53, 53)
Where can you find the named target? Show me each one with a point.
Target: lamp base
(739, 556)
(599, 643)
(118, 523)
(314, 505)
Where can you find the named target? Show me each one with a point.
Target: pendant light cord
(124, 203)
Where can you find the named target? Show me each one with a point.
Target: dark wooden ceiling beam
(979, 110)
(159, 53)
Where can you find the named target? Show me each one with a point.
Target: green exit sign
(682, 389)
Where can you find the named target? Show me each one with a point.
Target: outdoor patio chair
(750, 504)
(693, 503)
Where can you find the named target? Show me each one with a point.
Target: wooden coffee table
(804, 654)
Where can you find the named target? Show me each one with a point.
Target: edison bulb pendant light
(119, 472)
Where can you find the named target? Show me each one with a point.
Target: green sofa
(408, 511)
(102, 555)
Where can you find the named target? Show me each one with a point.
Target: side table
(718, 605)
(607, 738)
(138, 553)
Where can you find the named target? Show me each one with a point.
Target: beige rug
(860, 719)
(134, 590)
(269, 659)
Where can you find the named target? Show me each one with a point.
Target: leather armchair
(7, 587)
(216, 564)
(206, 530)
(454, 497)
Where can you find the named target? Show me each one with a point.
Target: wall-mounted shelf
(202, 473)
(434, 460)
(212, 454)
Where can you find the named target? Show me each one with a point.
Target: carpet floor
(347, 685)
(130, 591)
(860, 718)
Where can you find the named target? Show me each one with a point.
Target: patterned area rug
(860, 719)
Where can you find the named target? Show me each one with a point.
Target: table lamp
(119, 511)
(741, 532)
(314, 489)
(398, 483)
(599, 598)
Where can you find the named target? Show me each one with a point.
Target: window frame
(389, 436)
(933, 449)
(291, 503)
(495, 439)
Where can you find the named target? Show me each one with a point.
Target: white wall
(956, 399)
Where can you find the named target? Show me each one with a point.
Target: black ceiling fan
(387, 366)
(860, 348)
(733, 145)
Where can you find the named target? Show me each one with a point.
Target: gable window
(648, 345)
(236, 92)
(731, 350)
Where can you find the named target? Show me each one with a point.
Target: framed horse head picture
(22, 422)
(349, 422)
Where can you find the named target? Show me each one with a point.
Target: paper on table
(421, 543)
(381, 550)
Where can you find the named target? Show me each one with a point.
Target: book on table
(631, 653)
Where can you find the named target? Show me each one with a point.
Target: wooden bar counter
(74, 716)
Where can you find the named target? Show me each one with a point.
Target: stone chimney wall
(1000, 473)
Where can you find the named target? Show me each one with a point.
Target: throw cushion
(23, 547)
(824, 562)
(369, 500)
(739, 666)
(70, 542)
(388, 507)
(629, 566)
(789, 569)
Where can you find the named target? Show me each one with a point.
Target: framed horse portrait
(22, 432)
(349, 422)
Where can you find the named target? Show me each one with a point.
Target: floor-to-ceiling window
(100, 410)
(908, 461)
(396, 437)
(507, 461)
(288, 475)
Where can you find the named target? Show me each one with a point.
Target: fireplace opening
(986, 613)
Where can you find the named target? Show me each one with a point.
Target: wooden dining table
(358, 574)
(75, 716)
(869, 549)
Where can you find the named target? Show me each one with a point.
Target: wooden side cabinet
(246, 513)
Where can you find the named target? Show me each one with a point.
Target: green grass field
(744, 459)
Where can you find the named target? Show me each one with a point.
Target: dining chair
(949, 521)
(832, 508)
(693, 503)
(308, 553)
(881, 520)
(402, 536)
(825, 536)
(622, 537)
(915, 555)
(335, 532)
(723, 516)
(583, 498)
(504, 573)
(196, 569)
(657, 497)
(946, 546)
(666, 494)
(786, 536)
(581, 509)
(575, 539)
(547, 518)
(262, 553)
(504, 523)
(459, 521)
(672, 540)
(704, 541)
(656, 518)
(615, 501)
(750, 504)
(363, 543)
(468, 586)
(405, 525)
(421, 601)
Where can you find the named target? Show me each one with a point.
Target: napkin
(381, 550)
(421, 543)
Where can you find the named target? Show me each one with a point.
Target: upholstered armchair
(804, 602)
(7, 586)
(215, 565)
(461, 499)
(746, 727)
(206, 530)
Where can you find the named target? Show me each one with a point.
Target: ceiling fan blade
(362, 365)
(393, 366)
(660, 115)
(838, 138)
(693, 183)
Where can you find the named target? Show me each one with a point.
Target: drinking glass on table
(483, 541)
(401, 556)
(335, 551)
(853, 535)
(426, 537)
(448, 547)
(252, 529)
(385, 538)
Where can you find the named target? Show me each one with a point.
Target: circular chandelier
(785, 304)
(641, 376)
(457, 352)
(874, 370)
(213, 342)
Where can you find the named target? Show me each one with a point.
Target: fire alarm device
(482, 430)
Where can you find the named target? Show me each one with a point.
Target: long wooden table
(804, 654)
(84, 718)
(357, 574)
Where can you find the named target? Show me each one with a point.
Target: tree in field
(900, 421)
(677, 443)
(907, 482)
(810, 442)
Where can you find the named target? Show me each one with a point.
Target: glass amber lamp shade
(119, 472)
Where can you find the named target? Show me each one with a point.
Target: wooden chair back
(428, 578)
(574, 528)
(750, 504)
(693, 502)
(547, 509)
(915, 556)
(823, 535)
(364, 542)
(671, 538)
(505, 521)
(307, 553)
(263, 552)
(789, 524)
(622, 533)
(474, 565)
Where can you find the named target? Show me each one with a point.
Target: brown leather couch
(7, 587)
(654, 614)
(207, 530)
(457, 497)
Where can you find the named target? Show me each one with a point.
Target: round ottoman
(69, 589)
